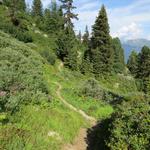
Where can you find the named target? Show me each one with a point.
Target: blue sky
(128, 19)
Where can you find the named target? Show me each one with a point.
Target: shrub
(130, 126)
(49, 56)
(16, 32)
(91, 88)
(21, 78)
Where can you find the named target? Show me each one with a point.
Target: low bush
(16, 32)
(21, 78)
(91, 88)
(49, 56)
(130, 126)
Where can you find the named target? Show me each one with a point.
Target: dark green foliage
(91, 88)
(53, 20)
(22, 79)
(66, 48)
(22, 5)
(16, 32)
(144, 63)
(139, 66)
(130, 126)
(119, 64)
(37, 8)
(50, 57)
(132, 63)
(102, 53)
(146, 85)
(86, 66)
(17, 5)
(144, 68)
(86, 37)
(67, 5)
(79, 36)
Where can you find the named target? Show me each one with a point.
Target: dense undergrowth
(32, 116)
(30, 110)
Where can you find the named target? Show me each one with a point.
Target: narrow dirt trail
(80, 141)
(82, 113)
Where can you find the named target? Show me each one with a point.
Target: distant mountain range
(135, 44)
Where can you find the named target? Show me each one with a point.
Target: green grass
(32, 124)
(71, 82)
(119, 84)
(38, 122)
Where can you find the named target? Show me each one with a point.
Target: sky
(128, 19)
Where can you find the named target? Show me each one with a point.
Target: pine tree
(144, 68)
(86, 37)
(119, 63)
(53, 19)
(102, 53)
(13, 12)
(67, 5)
(21, 5)
(144, 63)
(37, 8)
(86, 66)
(132, 63)
(66, 48)
(79, 36)
(67, 42)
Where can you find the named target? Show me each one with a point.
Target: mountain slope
(135, 44)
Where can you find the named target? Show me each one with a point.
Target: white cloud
(132, 31)
(125, 21)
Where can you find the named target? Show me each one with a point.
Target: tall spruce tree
(79, 36)
(86, 37)
(119, 63)
(102, 52)
(144, 63)
(67, 50)
(132, 63)
(67, 5)
(37, 8)
(13, 11)
(86, 65)
(21, 5)
(53, 19)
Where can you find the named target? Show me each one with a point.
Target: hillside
(62, 91)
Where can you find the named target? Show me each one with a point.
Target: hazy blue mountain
(135, 44)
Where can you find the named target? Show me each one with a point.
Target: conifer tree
(102, 53)
(13, 11)
(86, 37)
(132, 63)
(144, 63)
(66, 42)
(119, 64)
(66, 48)
(79, 36)
(21, 5)
(86, 66)
(67, 5)
(37, 8)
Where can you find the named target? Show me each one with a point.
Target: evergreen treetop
(37, 8)
(67, 5)
(100, 34)
(102, 51)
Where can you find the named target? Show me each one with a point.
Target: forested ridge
(62, 90)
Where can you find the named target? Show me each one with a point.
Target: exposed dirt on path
(80, 141)
(82, 113)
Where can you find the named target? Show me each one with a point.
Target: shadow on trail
(97, 135)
